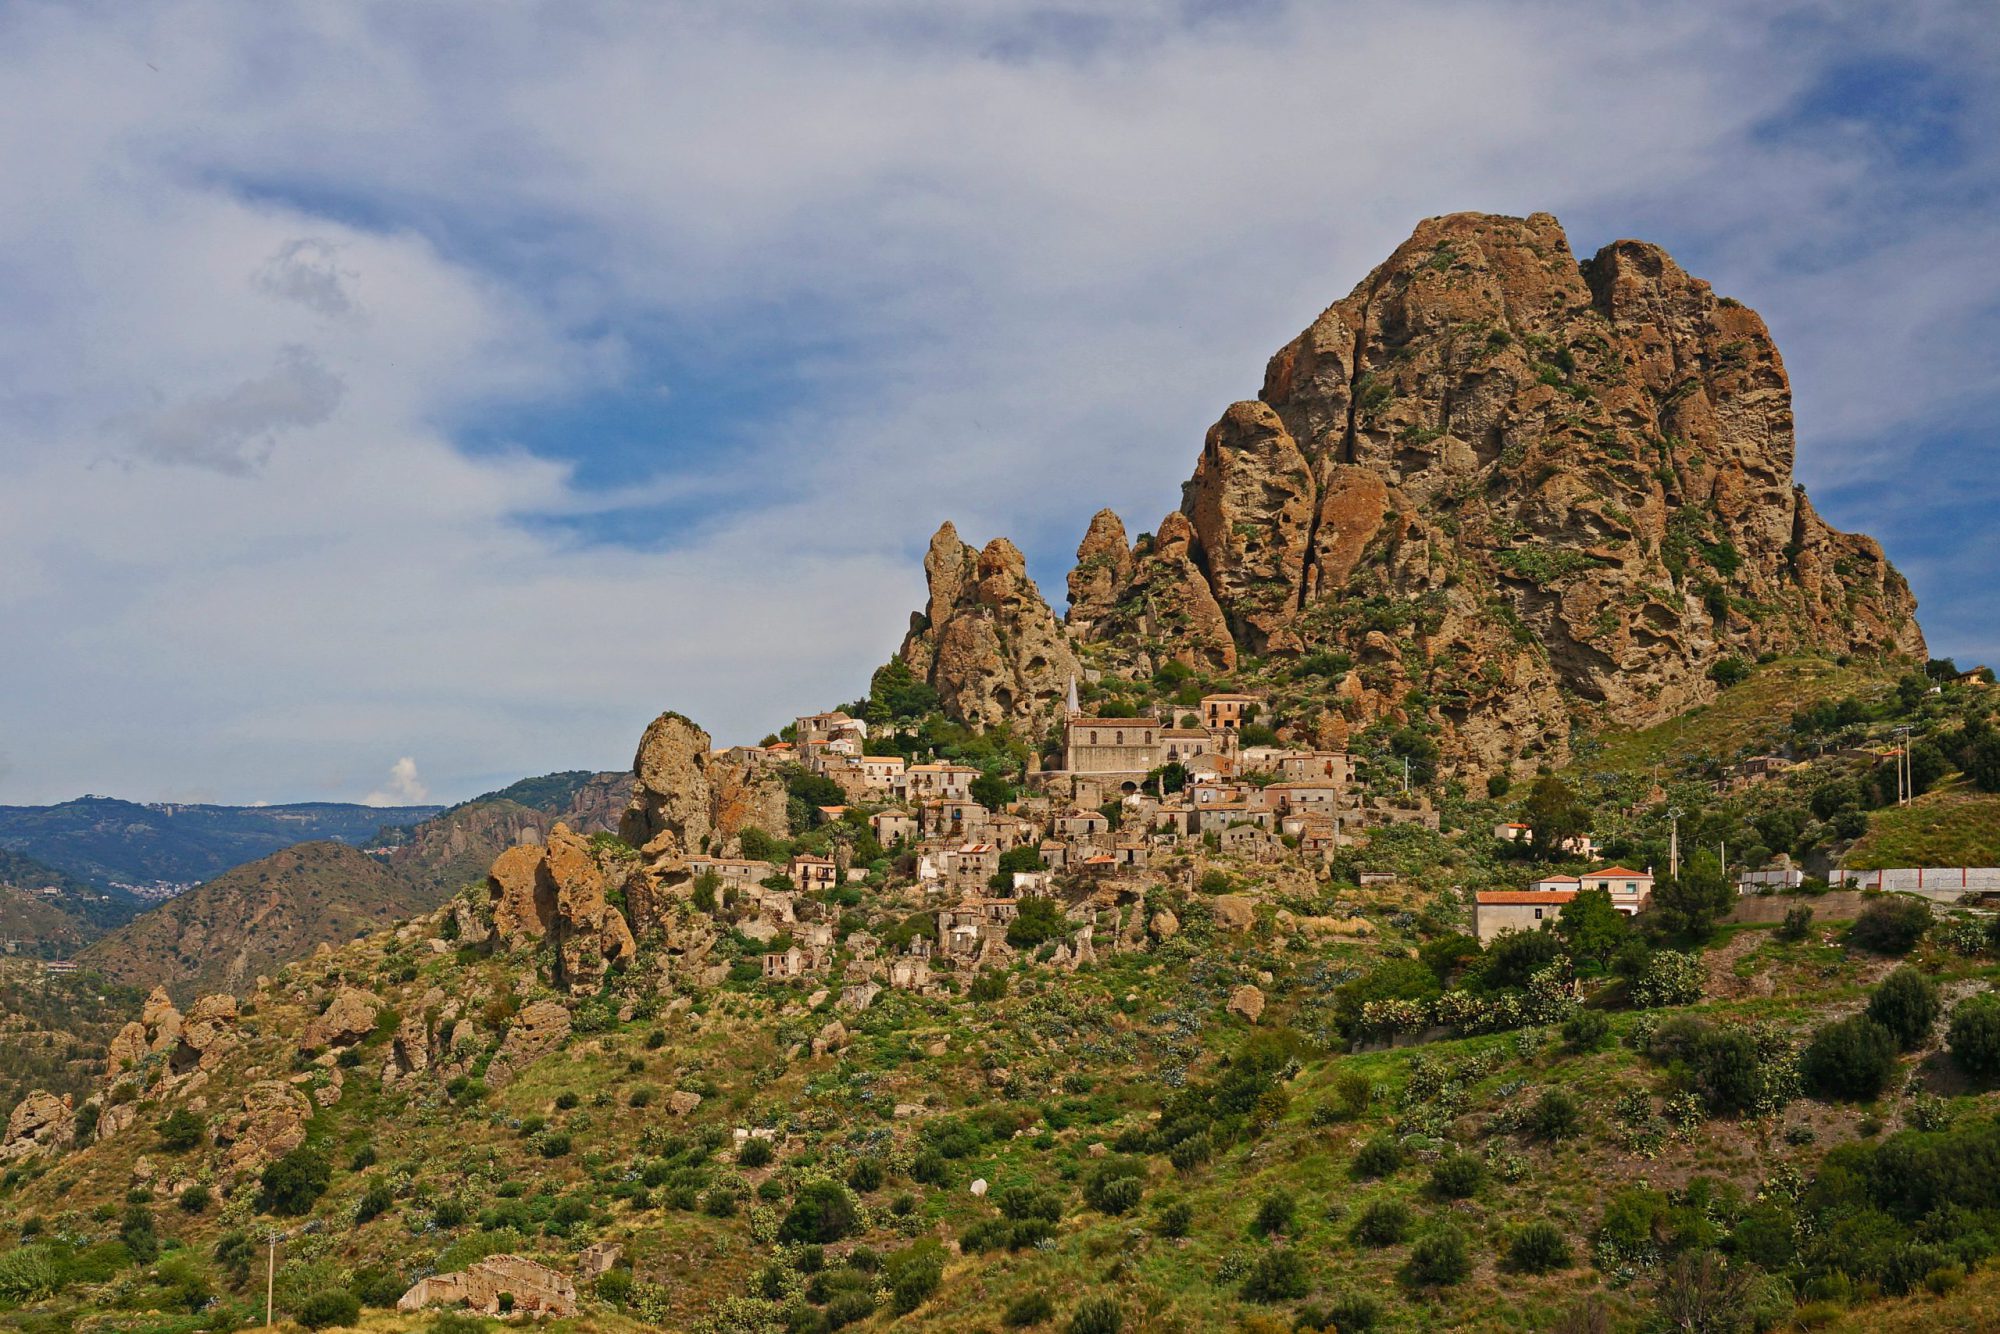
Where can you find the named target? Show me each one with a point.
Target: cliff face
(1515, 490)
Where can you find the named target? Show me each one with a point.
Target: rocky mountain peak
(1516, 491)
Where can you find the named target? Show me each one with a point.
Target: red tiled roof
(1619, 871)
(1514, 898)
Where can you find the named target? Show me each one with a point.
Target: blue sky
(403, 398)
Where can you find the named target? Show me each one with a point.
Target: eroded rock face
(39, 1123)
(557, 891)
(1165, 611)
(270, 1124)
(1103, 570)
(540, 1028)
(591, 934)
(987, 642)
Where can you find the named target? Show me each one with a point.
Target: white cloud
(959, 263)
(404, 787)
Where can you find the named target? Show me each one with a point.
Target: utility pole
(1905, 776)
(270, 1278)
(1406, 775)
(1674, 843)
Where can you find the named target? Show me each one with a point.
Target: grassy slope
(1955, 826)
(1746, 717)
(1096, 1047)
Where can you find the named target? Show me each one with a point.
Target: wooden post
(270, 1278)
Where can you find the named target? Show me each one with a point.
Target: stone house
(790, 963)
(974, 861)
(1496, 911)
(532, 1289)
(1311, 798)
(811, 873)
(1081, 826)
(1131, 853)
(893, 827)
(1226, 712)
(950, 818)
(1628, 889)
(1055, 853)
(909, 973)
(949, 782)
(818, 727)
(734, 872)
(882, 773)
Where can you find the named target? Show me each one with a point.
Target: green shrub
(1116, 1186)
(849, 1306)
(754, 1153)
(1891, 925)
(1555, 1115)
(1379, 1157)
(196, 1198)
(1351, 1313)
(1586, 1030)
(377, 1200)
(292, 1184)
(378, 1285)
(1097, 1315)
(1030, 1308)
(1672, 977)
(1279, 1275)
(1798, 922)
(328, 1307)
(1538, 1248)
(1974, 1035)
(179, 1131)
(1907, 1005)
(1174, 1220)
(1457, 1177)
(1852, 1058)
(1275, 1213)
(823, 1212)
(913, 1275)
(567, 1101)
(1440, 1258)
(865, 1175)
(614, 1286)
(1383, 1223)
(457, 1322)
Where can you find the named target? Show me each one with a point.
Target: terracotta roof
(1228, 696)
(1081, 721)
(1512, 898)
(1557, 880)
(1620, 871)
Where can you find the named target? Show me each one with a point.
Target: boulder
(347, 1019)
(830, 1038)
(39, 1123)
(669, 814)
(1247, 1001)
(591, 933)
(535, 1288)
(1165, 926)
(1234, 912)
(524, 903)
(681, 1102)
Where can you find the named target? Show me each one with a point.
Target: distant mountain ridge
(109, 842)
(251, 918)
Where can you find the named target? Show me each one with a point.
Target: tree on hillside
(1169, 778)
(992, 790)
(1687, 906)
(1557, 814)
(1592, 929)
(1039, 919)
(1982, 763)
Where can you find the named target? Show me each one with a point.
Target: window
(1538, 914)
(1117, 738)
